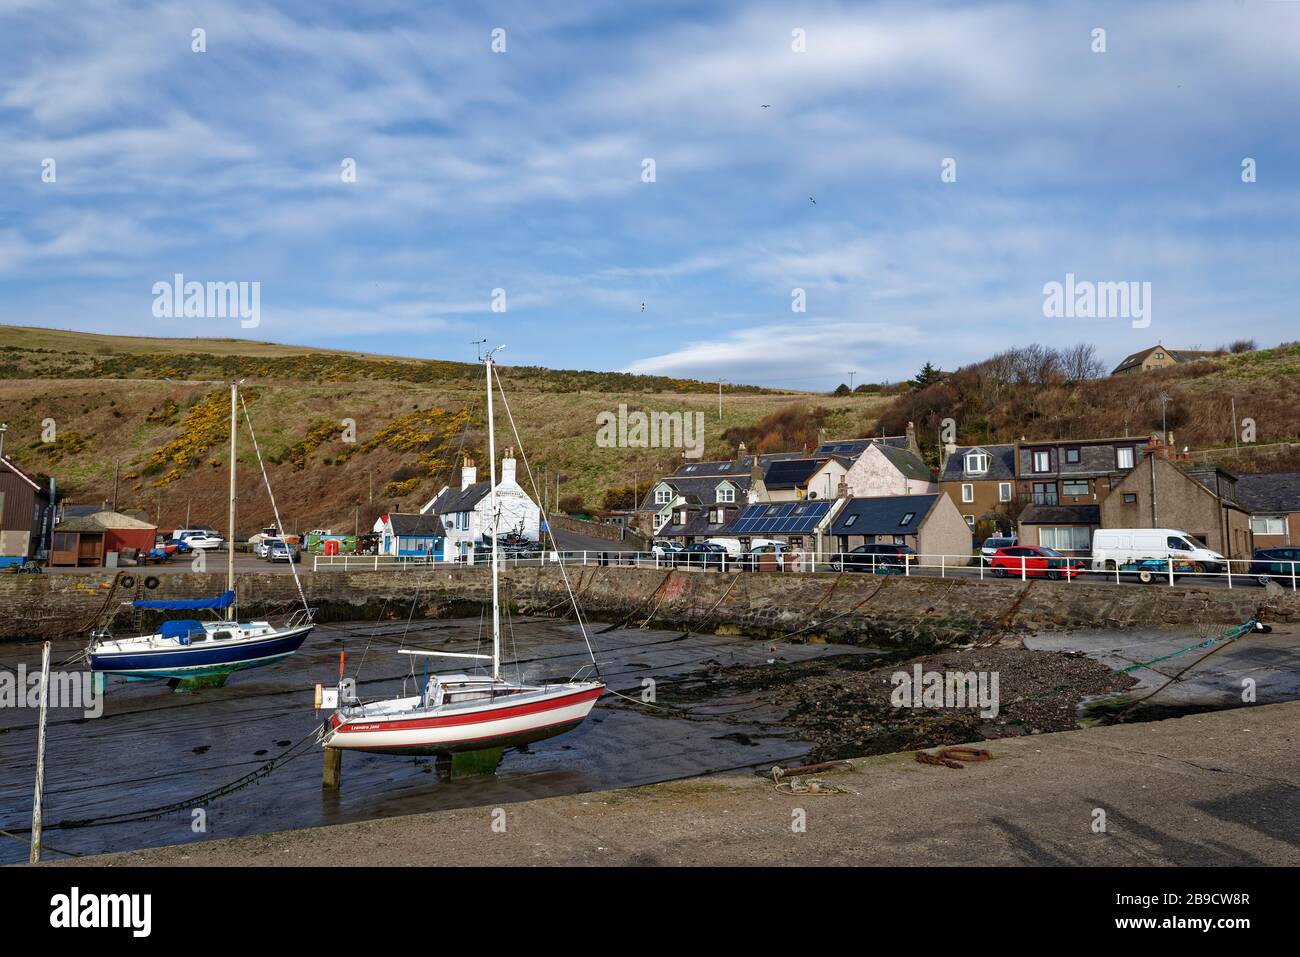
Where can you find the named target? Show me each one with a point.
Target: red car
(1036, 561)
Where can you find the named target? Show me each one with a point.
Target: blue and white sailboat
(185, 649)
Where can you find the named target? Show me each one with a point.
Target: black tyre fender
(151, 582)
(127, 581)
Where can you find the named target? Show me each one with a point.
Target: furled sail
(224, 600)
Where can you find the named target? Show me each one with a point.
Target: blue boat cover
(179, 628)
(224, 600)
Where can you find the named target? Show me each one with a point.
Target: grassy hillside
(1264, 385)
(158, 410)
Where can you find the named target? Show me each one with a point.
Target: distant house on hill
(1158, 357)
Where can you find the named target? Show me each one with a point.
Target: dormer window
(663, 495)
(726, 493)
(977, 463)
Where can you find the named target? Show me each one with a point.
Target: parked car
(281, 551)
(1112, 547)
(1275, 564)
(872, 557)
(702, 555)
(183, 534)
(993, 543)
(1036, 561)
(754, 560)
(662, 546)
(204, 541)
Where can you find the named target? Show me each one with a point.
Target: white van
(1118, 546)
(732, 545)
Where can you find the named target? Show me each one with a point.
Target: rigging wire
(275, 509)
(582, 625)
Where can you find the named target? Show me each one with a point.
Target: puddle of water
(152, 747)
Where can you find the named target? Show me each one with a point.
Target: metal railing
(1231, 573)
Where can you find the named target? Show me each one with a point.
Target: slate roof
(1002, 464)
(730, 467)
(906, 461)
(698, 522)
(1270, 491)
(884, 516)
(459, 500)
(413, 523)
(1061, 515)
(697, 490)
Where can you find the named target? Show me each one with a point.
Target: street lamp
(4, 427)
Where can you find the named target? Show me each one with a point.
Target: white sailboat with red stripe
(463, 712)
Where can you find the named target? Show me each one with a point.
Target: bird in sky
(811, 200)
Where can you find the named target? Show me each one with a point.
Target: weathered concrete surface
(847, 608)
(1210, 789)
(1263, 665)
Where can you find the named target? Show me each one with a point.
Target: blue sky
(522, 170)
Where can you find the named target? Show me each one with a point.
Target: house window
(1072, 456)
(1042, 461)
(660, 521)
(900, 539)
(977, 463)
(1044, 493)
(726, 493)
(1065, 538)
(1130, 498)
(663, 495)
(970, 520)
(1268, 524)
(848, 522)
(1075, 487)
(967, 492)
(1004, 491)
(1124, 458)
(906, 519)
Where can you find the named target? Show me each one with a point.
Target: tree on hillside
(841, 389)
(928, 376)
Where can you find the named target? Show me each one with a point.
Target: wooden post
(332, 773)
(35, 856)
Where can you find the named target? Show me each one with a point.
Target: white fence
(1235, 573)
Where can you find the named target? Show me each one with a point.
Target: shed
(87, 540)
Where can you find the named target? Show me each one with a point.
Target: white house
(464, 511)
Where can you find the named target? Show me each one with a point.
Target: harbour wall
(850, 608)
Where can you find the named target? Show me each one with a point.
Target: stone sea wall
(846, 608)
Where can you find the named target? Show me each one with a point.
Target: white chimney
(468, 474)
(508, 467)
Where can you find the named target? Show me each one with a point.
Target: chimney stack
(911, 440)
(468, 474)
(508, 466)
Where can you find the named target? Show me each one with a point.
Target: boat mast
(492, 512)
(230, 542)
